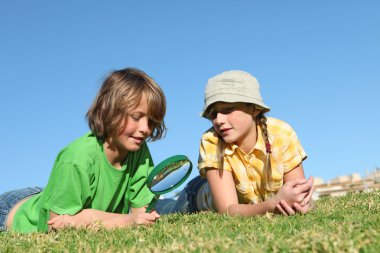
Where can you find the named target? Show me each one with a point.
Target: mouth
(138, 139)
(224, 131)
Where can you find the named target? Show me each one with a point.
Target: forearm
(252, 209)
(108, 220)
(89, 218)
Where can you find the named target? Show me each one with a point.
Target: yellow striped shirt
(247, 169)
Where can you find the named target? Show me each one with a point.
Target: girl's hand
(294, 191)
(283, 208)
(301, 200)
(304, 206)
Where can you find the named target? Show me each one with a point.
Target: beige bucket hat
(233, 86)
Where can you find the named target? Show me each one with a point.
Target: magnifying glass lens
(170, 176)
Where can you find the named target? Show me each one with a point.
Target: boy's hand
(62, 221)
(142, 218)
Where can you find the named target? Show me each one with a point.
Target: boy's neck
(113, 154)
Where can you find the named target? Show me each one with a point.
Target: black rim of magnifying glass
(166, 162)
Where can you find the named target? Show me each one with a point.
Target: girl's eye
(226, 110)
(212, 115)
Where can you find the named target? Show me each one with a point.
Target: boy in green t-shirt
(100, 178)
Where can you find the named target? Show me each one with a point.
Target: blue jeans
(8, 200)
(186, 202)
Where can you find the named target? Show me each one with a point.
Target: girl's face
(234, 122)
(136, 128)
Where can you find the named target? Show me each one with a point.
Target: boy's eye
(136, 117)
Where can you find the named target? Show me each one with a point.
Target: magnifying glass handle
(152, 203)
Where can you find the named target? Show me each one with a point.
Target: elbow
(228, 210)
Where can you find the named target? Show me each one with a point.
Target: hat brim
(232, 99)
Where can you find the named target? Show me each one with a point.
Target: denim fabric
(186, 202)
(165, 206)
(9, 199)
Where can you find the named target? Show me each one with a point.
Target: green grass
(341, 224)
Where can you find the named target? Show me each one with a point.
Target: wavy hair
(120, 93)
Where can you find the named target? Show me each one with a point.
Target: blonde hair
(120, 93)
(261, 120)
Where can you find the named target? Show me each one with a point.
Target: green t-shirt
(83, 178)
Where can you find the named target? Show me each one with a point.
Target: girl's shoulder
(277, 126)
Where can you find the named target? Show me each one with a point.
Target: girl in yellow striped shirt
(249, 164)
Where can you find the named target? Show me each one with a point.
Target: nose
(144, 126)
(219, 119)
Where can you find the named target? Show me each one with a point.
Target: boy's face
(136, 128)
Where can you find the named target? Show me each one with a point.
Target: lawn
(341, 224)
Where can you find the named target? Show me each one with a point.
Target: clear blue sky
(318, 63)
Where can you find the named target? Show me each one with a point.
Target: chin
(134, 147)
(228, 140)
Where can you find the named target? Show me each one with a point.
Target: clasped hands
(295, 197)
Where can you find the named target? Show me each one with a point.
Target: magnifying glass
(167, 176)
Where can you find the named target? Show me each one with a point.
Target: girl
(249, 164)
(101, 176)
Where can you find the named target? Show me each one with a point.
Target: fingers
(156, 215)
(295, 182)
(279, 208)
(61, 221)
(309, 195)
(307, 181)
(305, 187)
(152, 216)
(301, 209)
(146, 218)
(302, 196)
(288, 209)
(56, 223)
(284, 208)
(303, 203)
